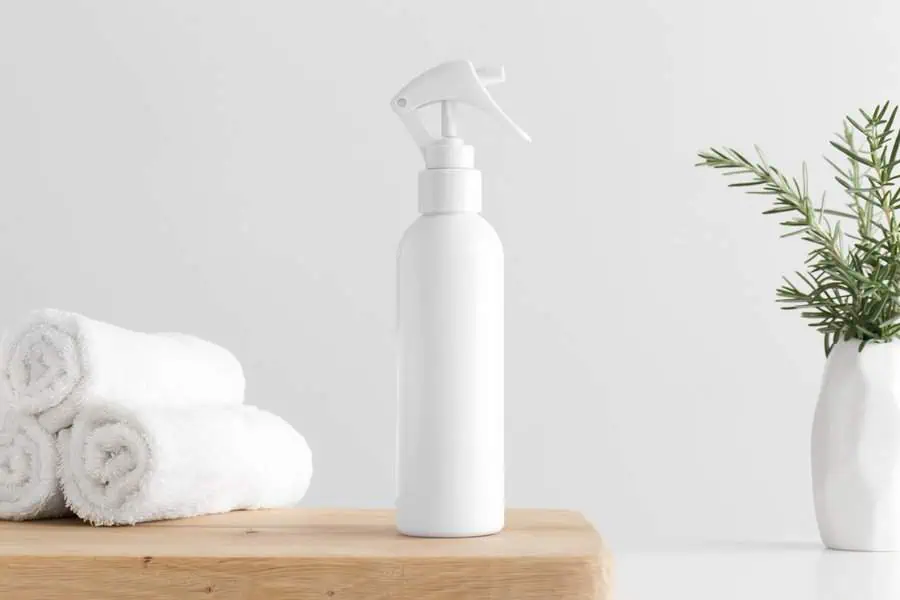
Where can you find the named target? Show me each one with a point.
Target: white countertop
(735, 570)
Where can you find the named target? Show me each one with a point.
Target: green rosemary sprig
(851, 285)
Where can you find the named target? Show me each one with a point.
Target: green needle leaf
(850, 289)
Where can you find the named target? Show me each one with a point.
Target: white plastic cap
(449, 153)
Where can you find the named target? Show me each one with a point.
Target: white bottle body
(450, 470)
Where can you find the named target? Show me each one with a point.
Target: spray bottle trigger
(448, 83)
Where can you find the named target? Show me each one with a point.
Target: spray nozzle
(449, 83)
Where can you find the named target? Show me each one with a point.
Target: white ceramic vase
(856, 448)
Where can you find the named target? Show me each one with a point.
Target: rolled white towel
(125, 466)
(29, 488)
(56, 361)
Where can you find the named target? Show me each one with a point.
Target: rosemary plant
(850, 289)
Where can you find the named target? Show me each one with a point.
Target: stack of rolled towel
(122, 427)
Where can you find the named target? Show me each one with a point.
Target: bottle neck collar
(449, 191)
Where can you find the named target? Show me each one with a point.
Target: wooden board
(302, 554)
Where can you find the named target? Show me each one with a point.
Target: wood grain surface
(302, 554)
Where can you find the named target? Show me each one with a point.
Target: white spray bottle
(450, 324)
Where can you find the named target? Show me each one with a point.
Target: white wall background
(233, 169)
